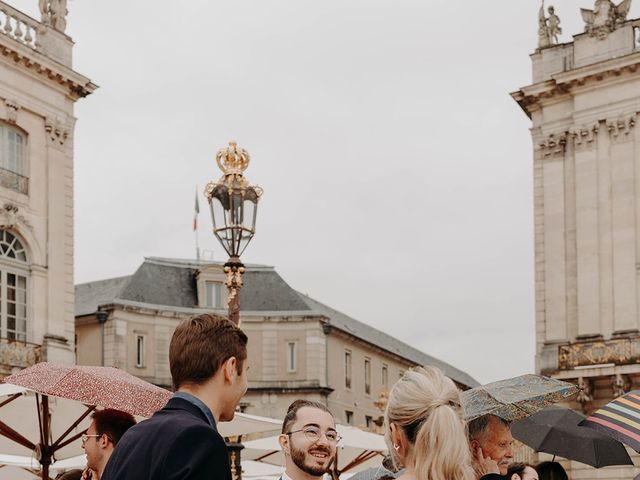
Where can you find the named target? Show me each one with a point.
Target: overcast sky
(397, 170)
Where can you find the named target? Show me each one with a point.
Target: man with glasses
(101, 438)
(308, 440)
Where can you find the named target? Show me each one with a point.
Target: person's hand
(484, 465)
(89, 474)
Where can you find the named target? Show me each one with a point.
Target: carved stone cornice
(584, 137)
(530, 97)
(620, 128)
(12, 107)
(9, 218)
(553, 145)
(57, 131)
(76, 85)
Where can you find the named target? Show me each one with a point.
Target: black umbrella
(555, 430)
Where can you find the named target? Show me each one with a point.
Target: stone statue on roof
(548, 27)
(605, 17)
(54, 13)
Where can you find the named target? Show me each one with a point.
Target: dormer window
(213, 295)
(13, 172)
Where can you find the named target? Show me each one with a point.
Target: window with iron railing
(13, 171)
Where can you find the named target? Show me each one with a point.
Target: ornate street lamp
(234, 205)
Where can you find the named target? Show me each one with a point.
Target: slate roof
(161, 282)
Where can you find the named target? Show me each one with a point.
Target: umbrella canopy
(106, 387)
(356, 451)
(619, 419)
(515, 398)
(555, 430)
(60, 417)
(244, 424)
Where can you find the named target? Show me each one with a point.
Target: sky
(396, 168)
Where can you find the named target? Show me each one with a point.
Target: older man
(308, 440)
(491, 445)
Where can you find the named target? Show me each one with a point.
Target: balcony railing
(34, 34)
(14, 354)
(19, 26)
(14, 181)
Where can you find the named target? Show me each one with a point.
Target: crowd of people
(426, 434)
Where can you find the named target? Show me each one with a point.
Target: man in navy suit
(207, 358)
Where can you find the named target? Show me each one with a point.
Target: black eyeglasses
(314, 434)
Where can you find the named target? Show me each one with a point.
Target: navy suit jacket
(176, 443)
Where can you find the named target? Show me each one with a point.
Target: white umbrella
(244, 424)
(260, 470)
(356, 451)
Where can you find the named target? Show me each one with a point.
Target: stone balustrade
(19, 26)
(35, 35)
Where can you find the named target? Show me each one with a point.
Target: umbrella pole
(45, 448)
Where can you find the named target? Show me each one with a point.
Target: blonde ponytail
(425, 405)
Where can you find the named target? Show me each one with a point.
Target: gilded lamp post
(234, 205)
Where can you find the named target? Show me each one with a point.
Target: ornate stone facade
(38, 90)
(583, 104)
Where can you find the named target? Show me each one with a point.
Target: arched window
(14, 275)
(13, 170)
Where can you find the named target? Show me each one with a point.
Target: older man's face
(497, 444)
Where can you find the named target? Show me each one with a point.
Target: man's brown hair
(292, 412)
(201, 344)
(113, 423)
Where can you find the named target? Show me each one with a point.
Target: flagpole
(195, 224)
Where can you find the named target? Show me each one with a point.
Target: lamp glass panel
(218, 213)
(249, 214)
(236, 209)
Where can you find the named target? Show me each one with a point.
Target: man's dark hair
(517, 468)
(551, 471)
(113, 423)
(292, 412)
(201, 344)
(479, 427)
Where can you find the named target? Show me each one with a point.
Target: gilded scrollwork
(584, 396)
(620, 385)
(619, 352)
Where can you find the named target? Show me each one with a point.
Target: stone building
(298, 347)
(583, 104)
(38, 90)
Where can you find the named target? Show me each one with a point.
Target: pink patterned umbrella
(105, 387)
(94, 386)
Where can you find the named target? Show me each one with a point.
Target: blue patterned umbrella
(515, 398)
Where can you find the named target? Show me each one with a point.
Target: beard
(299, 456)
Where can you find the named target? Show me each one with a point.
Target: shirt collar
(198, 403)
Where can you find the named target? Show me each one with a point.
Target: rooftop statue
(605, 17)
(54, 13)
(548, 27)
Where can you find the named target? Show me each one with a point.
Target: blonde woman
(425, 432)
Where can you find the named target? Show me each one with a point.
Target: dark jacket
(176, 443)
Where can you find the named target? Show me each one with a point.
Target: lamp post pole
(234, 205)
